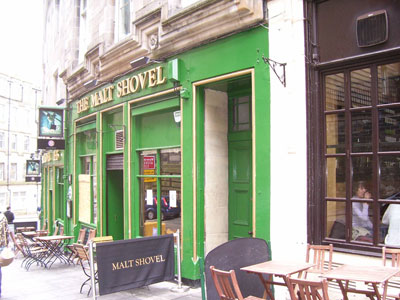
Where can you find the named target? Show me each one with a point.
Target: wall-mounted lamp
(142, 61)
(60, 101)
(185, 94)
(94, 82)
(90, 83)
(177, 117)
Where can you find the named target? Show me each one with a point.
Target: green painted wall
(151, 135)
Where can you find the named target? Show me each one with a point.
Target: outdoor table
(29, 234)
(25, 229)
(55, 246)
(373, 275)
(276, 268)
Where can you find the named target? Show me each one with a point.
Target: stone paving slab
(62, 282)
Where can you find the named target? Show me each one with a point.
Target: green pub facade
(178, 144)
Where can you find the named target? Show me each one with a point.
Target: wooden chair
(43, 231)
(303, 289)
(81, 237)
(227, 286)
(55, 232)
(394, 261)
(18, 245)
(34, 252)
(91, 236)
(44, 226)
(316, 255)
(84, 261)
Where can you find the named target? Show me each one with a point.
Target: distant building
(18, 136)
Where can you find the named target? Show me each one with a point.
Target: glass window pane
(148, 204)
(362, 173)
(148, 163)
(241, 113)
(389, 184)
(389, 129)
(390, 228)
(336, 219)
(335, 133)
(336, 178)
(171, 189)
(361, 131)
(361, 88)
(171, 161)
(94, 188)
(170, 203)
(389, 83)
(334, 92)
(125, 17)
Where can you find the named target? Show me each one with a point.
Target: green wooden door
(240, 188)
(240, 167)
(115, 208)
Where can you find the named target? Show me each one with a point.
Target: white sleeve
(386, 216)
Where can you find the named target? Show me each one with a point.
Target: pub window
(362, 156)
(123, 19)
(88, 189)
(160, 178)
(59, 193)
(82, 30)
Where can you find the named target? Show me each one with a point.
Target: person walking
(4, 234)
(10, 218)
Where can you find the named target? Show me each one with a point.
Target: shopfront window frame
(88, 167)
(320, 214)
(159, 178)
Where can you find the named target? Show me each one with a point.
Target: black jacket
(10, 216)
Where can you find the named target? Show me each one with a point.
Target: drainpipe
(8, 143)
(38, 157)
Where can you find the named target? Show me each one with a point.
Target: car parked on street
(167, 212)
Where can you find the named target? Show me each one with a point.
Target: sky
(21, 36)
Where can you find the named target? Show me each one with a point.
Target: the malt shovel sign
(128, 264)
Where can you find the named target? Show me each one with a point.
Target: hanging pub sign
(51, 144)
(51, 128)
(32, 178)
(32, 167)
(32, 171)
(128, 264)
(51, 121)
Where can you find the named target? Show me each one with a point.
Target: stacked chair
(33, 252)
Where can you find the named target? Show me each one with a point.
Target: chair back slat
(55, 230)
(316, 254)
(81, 236)
(81, 252)
(395, 259)
(303, 289)
(226, 284)
(91, 236)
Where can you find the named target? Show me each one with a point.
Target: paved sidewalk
(62, 282)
